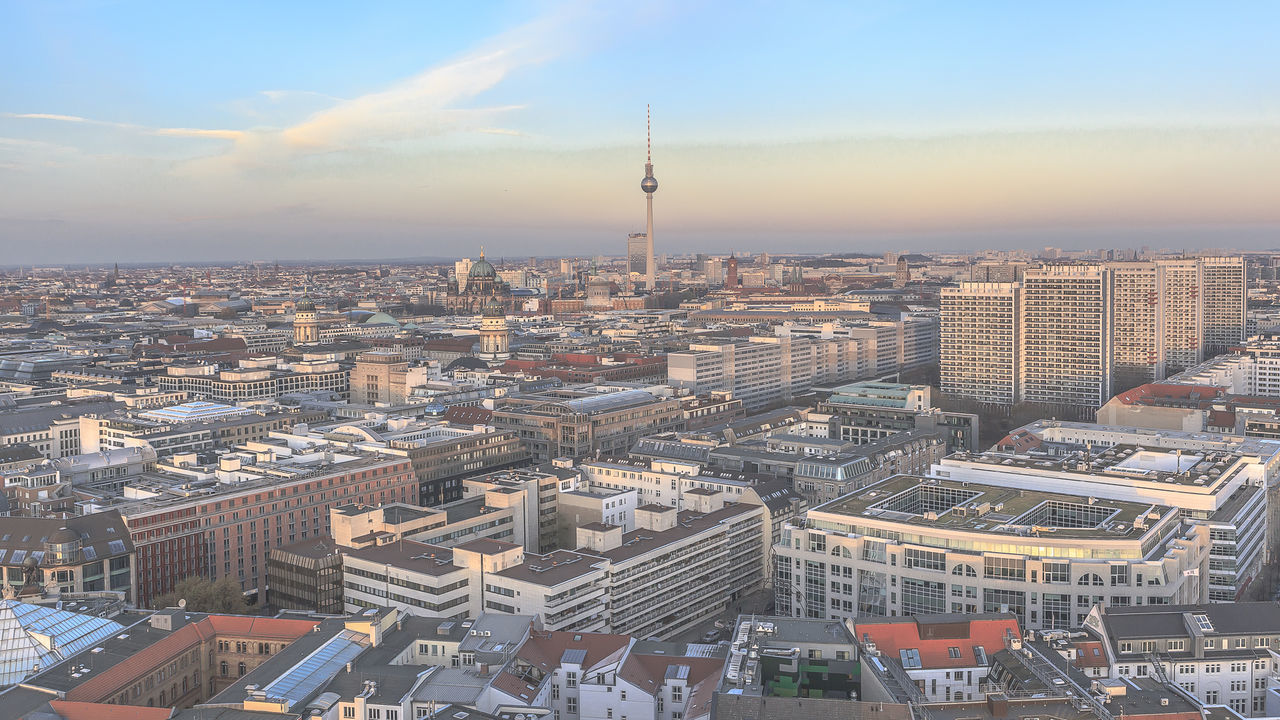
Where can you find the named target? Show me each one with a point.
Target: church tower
(306, 325)
(495, 336)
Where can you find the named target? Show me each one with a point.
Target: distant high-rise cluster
(1073, 335)
(637, 253)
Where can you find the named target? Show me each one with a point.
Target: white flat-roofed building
(1257, 462)
(1221, 490)
(913, 545)
(764, 370)
(674, 571)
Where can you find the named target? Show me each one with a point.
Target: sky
(196, 131)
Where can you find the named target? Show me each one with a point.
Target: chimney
(998, 705)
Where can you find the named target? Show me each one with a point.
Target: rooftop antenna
(648, 134)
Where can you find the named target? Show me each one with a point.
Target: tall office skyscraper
(649, 185)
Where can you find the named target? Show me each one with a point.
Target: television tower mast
(649, 185)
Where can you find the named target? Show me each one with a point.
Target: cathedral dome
(482, 270)
(305, 305)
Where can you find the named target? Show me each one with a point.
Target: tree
(203, 595)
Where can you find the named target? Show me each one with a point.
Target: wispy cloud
(501, 131)
(431, 104)
(174, 132)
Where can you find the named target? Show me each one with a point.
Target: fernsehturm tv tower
(649, 185)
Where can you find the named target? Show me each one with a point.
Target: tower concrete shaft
(649, 185)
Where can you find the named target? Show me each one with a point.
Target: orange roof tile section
(936, 651)
(181, 641)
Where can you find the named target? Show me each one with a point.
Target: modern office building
(221, 519)
(869, 411)
(821, 478)
(571, 423)
(305, 575)
(118, 430)
(677, 569)
(912, 545)
(1252, 461)
(443, 454)
(385, 377)
(255, 385)
(1222, 490)
(637, 253)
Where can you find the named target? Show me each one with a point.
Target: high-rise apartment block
(979, 341)
(1065, 349)
(1072, 335)
(1224, 303)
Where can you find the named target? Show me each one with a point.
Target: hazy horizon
(165, 133)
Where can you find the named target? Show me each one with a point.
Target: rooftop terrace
(989, 509)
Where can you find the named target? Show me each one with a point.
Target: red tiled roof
(101, 711)
(1221, 419)
(1019, 441)
(1090, 653)
(182, 640)
(546, 649)
(648, 672)
(1158, 393)
(935, 652)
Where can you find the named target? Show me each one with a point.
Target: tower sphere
(649, 184)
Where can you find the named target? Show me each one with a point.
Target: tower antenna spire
(648, 134)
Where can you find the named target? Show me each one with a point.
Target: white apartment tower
(1072, 335)
(979, 341)
(1156, 319)
(1066, 353)
(1224, 303)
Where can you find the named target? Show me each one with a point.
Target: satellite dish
(182, 603)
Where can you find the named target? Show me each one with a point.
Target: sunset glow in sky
(183, 131)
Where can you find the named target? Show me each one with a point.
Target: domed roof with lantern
(482, 269)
